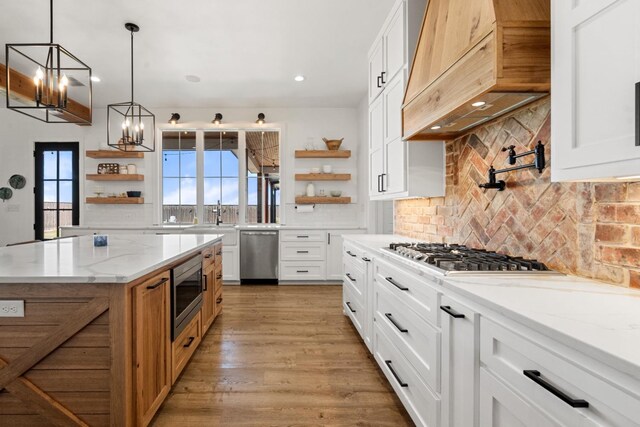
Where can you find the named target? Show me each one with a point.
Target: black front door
(57, 196)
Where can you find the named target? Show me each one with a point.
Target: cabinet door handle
(350, 278)
(302, 252)
(379, 189)
(302, 271)
(162, 281)
(349, 305)
(451, 312)
(536, 377)
(382, 182)
(637, 113)
(400, 382)
(351, 253)
(382, 77)
(328, 238)
(219, 300)
(379, 78)
(219, 253)
(366, 259)
(393, 321)
(396, 284)
(209, 255)
(189, 342)
(219, 276)
(205, 283)
(302, 237)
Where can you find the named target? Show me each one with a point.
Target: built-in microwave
(186, 294)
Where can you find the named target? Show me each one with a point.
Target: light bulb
(436, 127)
(39, 74)
(141, 125)
(36, 80)
(478, 104)
(126, 122)
(137, 128)
(64, 81)
(124, 125)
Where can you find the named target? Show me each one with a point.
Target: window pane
(50, 194)
(211, 163)
(66, 218)
(188, 162)
(211, 191)
(50, 164)
(66, 194)
(50, 224)
(66, 164)
(170, 163)
(188, 194)
(229, 163)
(171, 191)
(230, 191)
(252, 191)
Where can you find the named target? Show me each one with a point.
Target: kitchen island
(86, 332)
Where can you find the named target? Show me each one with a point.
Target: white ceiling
(246, 52)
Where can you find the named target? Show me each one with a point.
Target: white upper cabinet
(595, 68)
(394, 45)
(376, 68)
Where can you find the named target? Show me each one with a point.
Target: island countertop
(76, 260)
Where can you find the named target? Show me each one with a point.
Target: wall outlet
(13, 308)
(13, 208)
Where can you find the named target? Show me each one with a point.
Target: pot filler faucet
(538, 163)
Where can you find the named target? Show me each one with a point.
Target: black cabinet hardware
(349, 305)
(379, 78)
(536, 377)
(328, 238)
(191, 340)
(379, 189)
(382, 77)
(219, 276)
(382, 182)
(302, 252)
(158, 284)
(209, 255)
(219, 252)
(350, 278)
(366, 259)
(451, 312)
(302, 271)
(351, 253)
(638, 113)
(400, 382)
(396, 284)
(219, 300)
(302, 237)
(205, 282)
(392, 320)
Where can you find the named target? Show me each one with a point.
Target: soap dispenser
(311, 190)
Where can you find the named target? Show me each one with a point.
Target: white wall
(300, 125)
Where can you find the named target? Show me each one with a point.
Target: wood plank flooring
(282, 356)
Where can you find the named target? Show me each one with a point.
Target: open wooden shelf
(115, 200)
(114, 154)
(115, 177)
(323, 176)
(323, 154)
(304, 200)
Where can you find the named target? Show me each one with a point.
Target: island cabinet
(212, 279)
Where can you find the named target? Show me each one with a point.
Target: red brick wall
(591, 230)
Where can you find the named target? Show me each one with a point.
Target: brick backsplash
(587, 229)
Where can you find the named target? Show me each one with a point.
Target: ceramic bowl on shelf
(315, 170)
(335, 193)
(134, 193)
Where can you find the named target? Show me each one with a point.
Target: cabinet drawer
(418, 341)
(208, 257)
(353, 307)
(355, 255)
(420, 402)
(185, 345)
(217, 278)
(413, 290)
(300, 251)
(540, 374)
(218, 301)
(302, 236)
(302, 270)
(354, 277)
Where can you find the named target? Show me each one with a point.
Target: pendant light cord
(131, 66)
(51, 22)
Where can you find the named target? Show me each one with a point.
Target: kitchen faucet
(218, 213)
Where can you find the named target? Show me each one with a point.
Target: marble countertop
(596, 318)
(76, 260)
(222, 227)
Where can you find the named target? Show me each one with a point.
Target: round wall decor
(17, 181)
(5, 193)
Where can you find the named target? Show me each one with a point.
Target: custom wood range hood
(475, 61)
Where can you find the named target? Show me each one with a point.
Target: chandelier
(127, 121)
(45, 81)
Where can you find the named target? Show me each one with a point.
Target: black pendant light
(130, 126)
(45, 81)
(217, 119)
(261, 119)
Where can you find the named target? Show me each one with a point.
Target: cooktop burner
(459, 258)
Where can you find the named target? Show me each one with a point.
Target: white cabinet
(376, 68)
(230, 263)
(460, 363)
(595, 68)
(393, 39)
(334, 252)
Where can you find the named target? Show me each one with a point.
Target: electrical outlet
(13, 308)
(13, 208)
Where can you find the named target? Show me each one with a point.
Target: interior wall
(300, 127)
(591, 230)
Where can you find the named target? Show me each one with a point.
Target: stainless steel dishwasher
(258, 257)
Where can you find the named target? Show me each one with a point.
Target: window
(56, 188)
(202, 170)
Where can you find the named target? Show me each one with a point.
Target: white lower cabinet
(230, 263)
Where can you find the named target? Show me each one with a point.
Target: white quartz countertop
(599, 319)
(76, 260)
(213, 228)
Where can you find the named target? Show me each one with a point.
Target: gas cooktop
(454, 259)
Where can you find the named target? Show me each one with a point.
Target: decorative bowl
(134, 193)
(335, 193)
(333, 144)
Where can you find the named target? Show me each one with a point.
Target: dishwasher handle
(260, 233)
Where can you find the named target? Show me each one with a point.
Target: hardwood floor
(282, 355)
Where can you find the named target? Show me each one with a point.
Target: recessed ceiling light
(191, 78)
(436, 127)
(299, 78)
(95, 79)
(478, 104)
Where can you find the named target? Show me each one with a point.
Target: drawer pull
(350, 278)
(302, 252)
(219, 252)
(219, 276)
(351, 253)
(536, 377)
(209, 255)
(302, 237)
(205, 283)
(302, 271)
(392, 320)
(349, 305)
(396, 284)
(219, 300)
(451, 312)
(400, 382)
(162, 281)
(366, 259)
(189, 342)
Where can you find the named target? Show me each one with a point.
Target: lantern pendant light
(46, 82)
(130, 126)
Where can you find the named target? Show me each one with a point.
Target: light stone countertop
(76, 260)
(212, 228)
(598, 319)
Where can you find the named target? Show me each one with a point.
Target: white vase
(311, 190)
